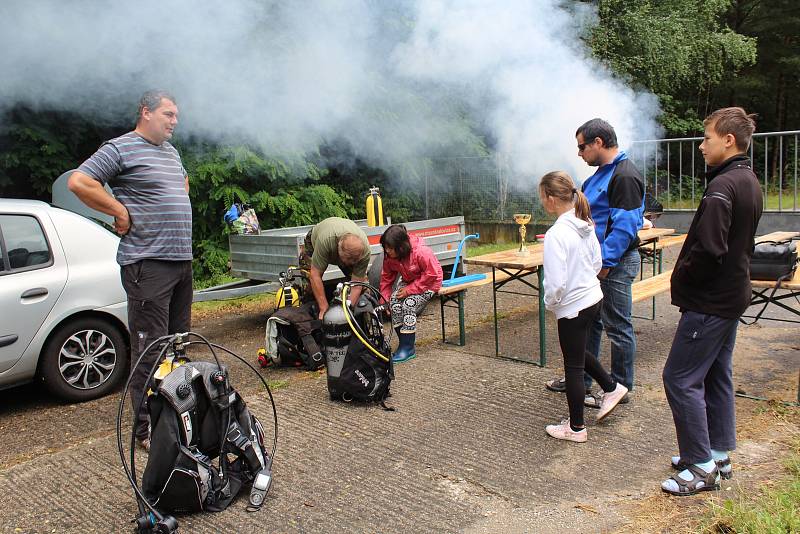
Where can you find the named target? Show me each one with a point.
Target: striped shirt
(149, 180)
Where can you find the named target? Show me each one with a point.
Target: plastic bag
(242, 219)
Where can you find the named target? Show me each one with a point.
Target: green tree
(283, 191)
(681, 50)
(36, 147)
(769, 86)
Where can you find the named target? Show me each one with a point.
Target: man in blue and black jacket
(616, 197)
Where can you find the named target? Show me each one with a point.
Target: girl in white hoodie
(572, 291)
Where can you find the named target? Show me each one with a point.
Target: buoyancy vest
(196, 417)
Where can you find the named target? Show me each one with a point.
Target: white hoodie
(572, 259)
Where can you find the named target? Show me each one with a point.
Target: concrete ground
(465, 450)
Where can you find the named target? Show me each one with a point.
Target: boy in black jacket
(711, 285)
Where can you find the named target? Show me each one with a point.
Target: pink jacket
(420, 271)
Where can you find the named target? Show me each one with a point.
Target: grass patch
(775, 509)
(217, 280)
(478, 250)
(238, 304)
(772, 202)
(277, 384)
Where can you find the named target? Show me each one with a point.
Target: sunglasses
(584, 145)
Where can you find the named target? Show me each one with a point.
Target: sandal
(701, 481)
(723, 466)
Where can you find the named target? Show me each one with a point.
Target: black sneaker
(559, 385)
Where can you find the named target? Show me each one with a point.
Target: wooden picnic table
(653, 234)
(777, 236)
(767, 291)
(507, 266)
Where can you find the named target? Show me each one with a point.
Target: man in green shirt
(339, 242)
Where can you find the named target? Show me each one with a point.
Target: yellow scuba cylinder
(171, 361)
(374, 207)
(287, 294)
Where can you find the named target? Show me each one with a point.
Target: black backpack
(355, 371)
(773, 260)
(293, 337)
(197, 417)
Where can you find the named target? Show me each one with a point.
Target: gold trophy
(522, 219)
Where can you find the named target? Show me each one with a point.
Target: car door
(32, 276)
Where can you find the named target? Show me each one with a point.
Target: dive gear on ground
(358, 354)
(205, 444)
(293, 337)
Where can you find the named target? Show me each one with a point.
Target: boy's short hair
(734, 121)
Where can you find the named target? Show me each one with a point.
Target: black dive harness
(196, 417)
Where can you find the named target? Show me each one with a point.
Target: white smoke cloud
(387, 77)
(528, 56)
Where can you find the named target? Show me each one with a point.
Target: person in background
(420, 279)
(616, 196)
(339, 242)
(652, 211)
(711, 285)
(153, 214)
(572, 292)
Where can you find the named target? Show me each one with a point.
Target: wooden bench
(653, 252)
(766, 291)
(650, 287)
(670, 241)
(456, 294)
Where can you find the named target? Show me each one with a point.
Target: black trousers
(159, 303)
(572, 336)
(698, 381)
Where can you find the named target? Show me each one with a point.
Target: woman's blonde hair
(558, 184)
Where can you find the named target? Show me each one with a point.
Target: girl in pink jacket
(420, 279)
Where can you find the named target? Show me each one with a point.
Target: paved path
(465, 450)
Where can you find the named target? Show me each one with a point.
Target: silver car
(63, 311)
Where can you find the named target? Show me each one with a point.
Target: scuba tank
(374, 207)
(287, 294)
(174, 358)
(336, 336)
(358, 355)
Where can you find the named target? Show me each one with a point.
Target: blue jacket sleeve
(625, 224)
(626, 208)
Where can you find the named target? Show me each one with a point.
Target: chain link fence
(481, 188)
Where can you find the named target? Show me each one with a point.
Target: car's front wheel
(84, 359)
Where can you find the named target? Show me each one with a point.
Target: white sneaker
(563, 431)
(610, 401)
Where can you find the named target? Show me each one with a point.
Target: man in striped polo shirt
(152, 213)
